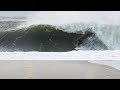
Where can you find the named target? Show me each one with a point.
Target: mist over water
(65, 17)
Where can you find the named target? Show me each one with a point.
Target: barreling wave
(106, 36)
(48, 38)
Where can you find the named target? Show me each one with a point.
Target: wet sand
(56, 70)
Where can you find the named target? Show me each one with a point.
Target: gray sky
(25, 13)
(15, 13)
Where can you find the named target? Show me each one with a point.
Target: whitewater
(104, 24)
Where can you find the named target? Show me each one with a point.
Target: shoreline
(56, 70)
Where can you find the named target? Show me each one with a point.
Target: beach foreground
(56, 70)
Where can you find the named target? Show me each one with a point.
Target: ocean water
(62, 32)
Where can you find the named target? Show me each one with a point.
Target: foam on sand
(111, 58)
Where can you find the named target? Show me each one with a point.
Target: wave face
(47, 38)
(43, 38)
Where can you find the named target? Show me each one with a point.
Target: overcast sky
(25, 13)
(15, 13)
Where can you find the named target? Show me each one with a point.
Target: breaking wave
(62, 32)
(48, 38)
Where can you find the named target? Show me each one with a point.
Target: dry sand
(56, 70)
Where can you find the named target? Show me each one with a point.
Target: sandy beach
(56, 70)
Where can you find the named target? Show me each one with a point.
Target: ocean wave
(48, 38)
